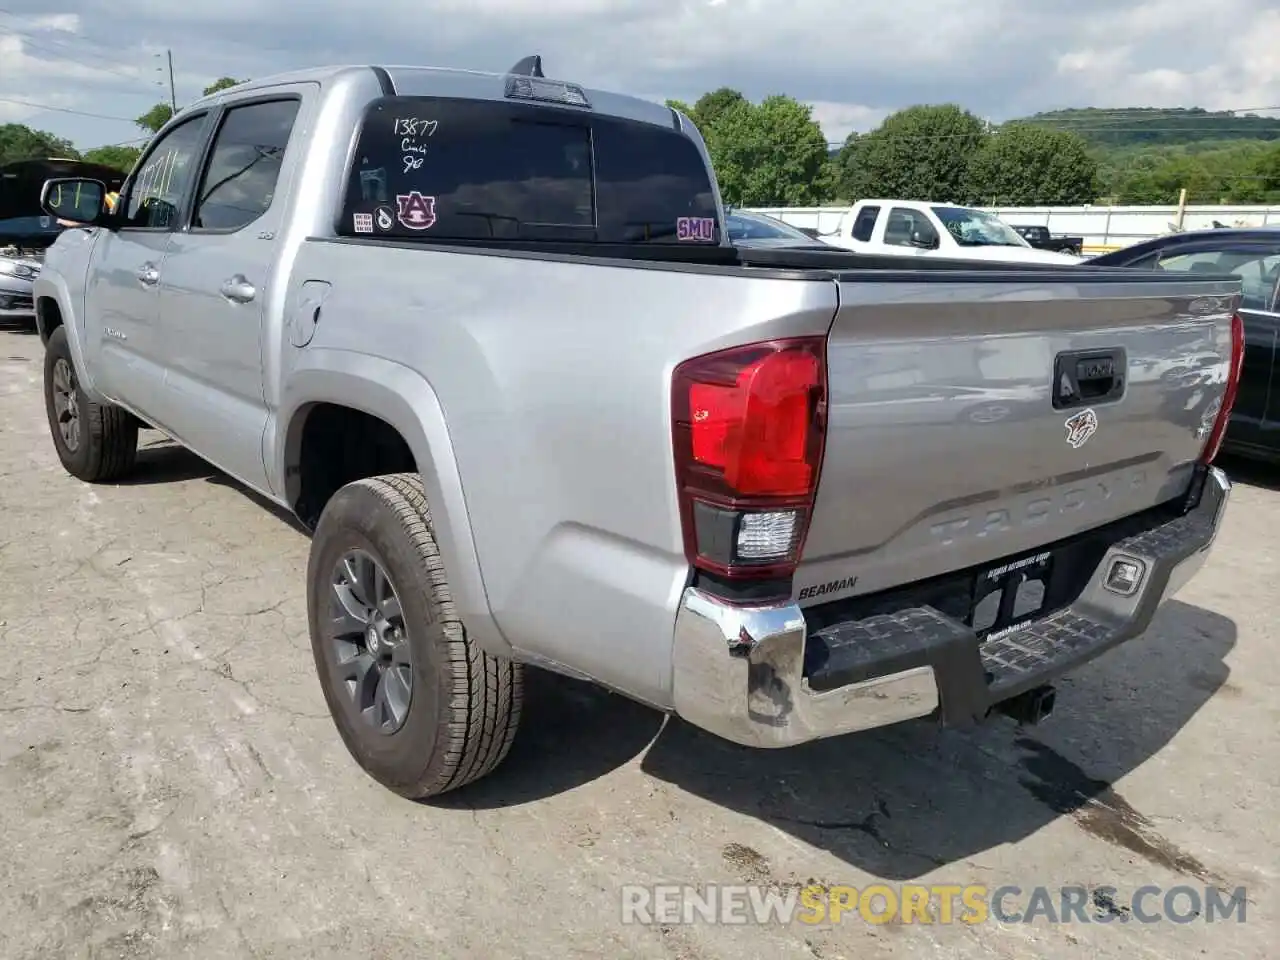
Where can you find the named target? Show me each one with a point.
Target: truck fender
(404, 399)
(51, 285)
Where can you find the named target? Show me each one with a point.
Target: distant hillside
(1153, 126)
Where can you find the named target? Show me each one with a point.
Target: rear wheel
(419, 705)
(96, 442)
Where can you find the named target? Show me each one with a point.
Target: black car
(757, 230)
(1253, 255)
(1042, 239)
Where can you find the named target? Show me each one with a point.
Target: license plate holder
(1010, 595)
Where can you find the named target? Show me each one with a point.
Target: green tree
(155, 118)
(853, 177)
(1129, 126)
(222, 83)
(120, 157)
(1255, 178)
(714, 105)
(770, 153)
(1024, 165)
(20, 142)
(920, 153)
(1161, 184)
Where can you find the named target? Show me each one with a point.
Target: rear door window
(473, 170)
(865, 224)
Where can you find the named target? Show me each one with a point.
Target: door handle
(237, 289)
(148, 275)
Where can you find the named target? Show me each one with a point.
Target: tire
(105, 445)
(464, 706)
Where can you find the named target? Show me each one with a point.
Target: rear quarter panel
(554, 381)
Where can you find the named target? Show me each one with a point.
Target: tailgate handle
(1088, 376)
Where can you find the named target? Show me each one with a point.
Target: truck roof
(416, 81)
(883, 202)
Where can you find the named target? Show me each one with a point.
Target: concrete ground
(171, 785)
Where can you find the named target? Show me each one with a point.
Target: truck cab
(921, 229)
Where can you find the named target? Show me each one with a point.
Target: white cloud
(60, 22)
(838, 120)
(33, 70)
(1238, 70)
(855, 62)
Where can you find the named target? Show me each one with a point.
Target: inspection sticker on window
(362, 222)
(701, 229)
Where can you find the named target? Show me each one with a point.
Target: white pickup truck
(917, 228)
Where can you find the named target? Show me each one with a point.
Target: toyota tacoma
(486, 337)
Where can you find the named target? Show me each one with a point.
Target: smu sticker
(362, 222)
(415, 211)
(696, 228)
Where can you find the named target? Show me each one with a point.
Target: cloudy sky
(102, 63)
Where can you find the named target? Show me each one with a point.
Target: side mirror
(925, 241)
(75, 201)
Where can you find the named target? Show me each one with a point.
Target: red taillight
(748, 426)
(1223, 416)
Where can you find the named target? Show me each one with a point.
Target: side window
(1259, 276)
(160, 184)
(1149, 262)
(903, 224)
(1202, 261)
(1258, 270)
(865, 225)
(244, 165)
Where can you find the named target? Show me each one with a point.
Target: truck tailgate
(975, 418)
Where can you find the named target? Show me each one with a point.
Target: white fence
(1103, 228)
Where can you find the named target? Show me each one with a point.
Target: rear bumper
(740, 671)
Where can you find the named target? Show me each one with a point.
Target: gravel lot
(171, 784)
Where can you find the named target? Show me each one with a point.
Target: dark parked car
(23, 223)
(1252, 254)
(757, 230)
(1042, 239)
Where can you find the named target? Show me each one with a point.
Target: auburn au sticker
(415, 211)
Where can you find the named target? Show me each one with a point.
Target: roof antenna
(528, 67)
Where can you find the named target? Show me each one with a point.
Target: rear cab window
(447, 170)
(865, 224)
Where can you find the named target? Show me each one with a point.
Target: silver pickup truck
(484, 335)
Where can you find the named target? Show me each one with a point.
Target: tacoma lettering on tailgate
(1033, 512)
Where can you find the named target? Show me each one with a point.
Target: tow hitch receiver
(1031, 707)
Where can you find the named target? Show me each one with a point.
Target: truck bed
(557, 380)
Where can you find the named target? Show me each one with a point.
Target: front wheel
(419, 705)
(96, 442)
